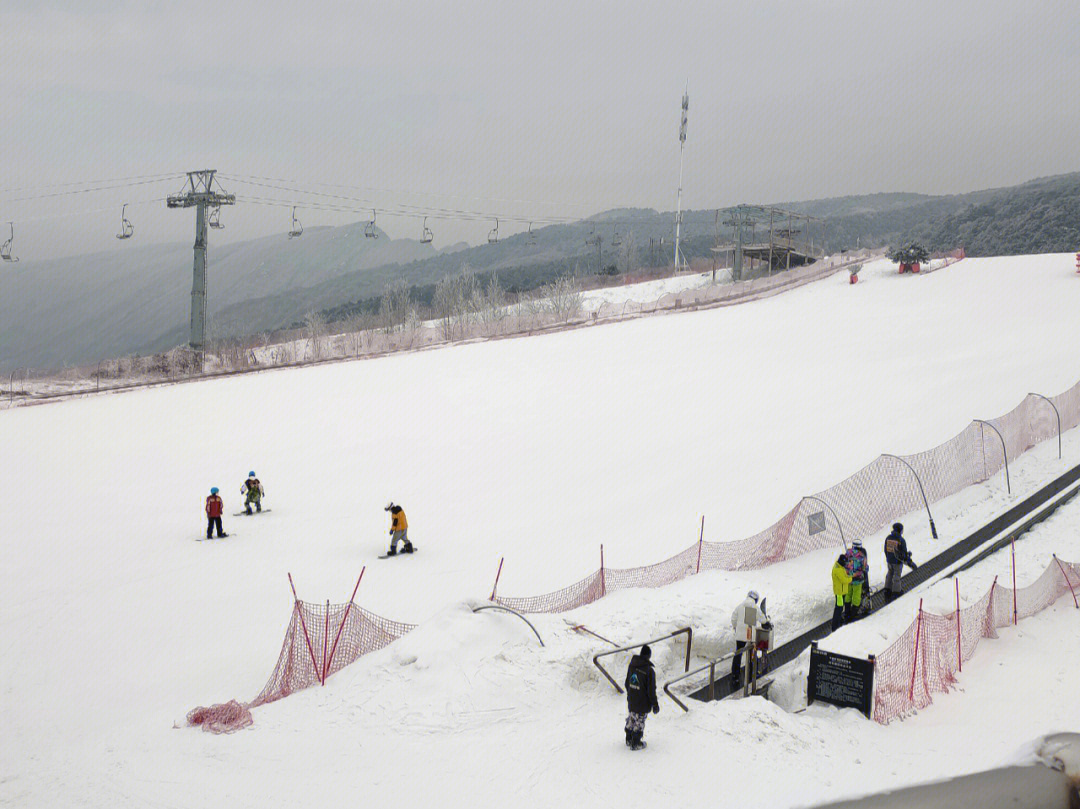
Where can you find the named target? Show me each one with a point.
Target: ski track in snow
(116, 623)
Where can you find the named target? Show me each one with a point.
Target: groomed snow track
(789, 651)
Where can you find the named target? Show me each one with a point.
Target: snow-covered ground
(115, 622)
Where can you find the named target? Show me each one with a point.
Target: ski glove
(656, 709)
(913, 565)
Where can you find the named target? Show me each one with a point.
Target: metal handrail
(689, 643)
(711, 666)
(514, 612)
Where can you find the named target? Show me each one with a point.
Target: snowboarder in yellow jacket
(841, 581)
(399, 529)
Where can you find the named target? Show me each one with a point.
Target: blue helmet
(214, 490)
(251, 474)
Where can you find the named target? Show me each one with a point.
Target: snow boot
(408, 548)
(392, 552)
(248, 511)
(636, 743)
(629, 738)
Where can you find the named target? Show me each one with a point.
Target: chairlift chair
(530, 237)
(126, 228)
(5, 248)
(616, 239)
(369, 229)
(493, 234)
(214, 220)
(297, 228)
(426, 235)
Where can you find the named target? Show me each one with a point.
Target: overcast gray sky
(539, 110)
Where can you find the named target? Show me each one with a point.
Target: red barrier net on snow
(321, 639)
(863, 504)
(925, 659)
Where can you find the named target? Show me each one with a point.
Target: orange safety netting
(925, 659)
(321, 639)
(862, 504)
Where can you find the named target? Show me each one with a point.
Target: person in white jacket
(747, 613)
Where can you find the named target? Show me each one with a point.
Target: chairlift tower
(199, 194)
(682, 151)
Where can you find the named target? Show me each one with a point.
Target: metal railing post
(1056, 413)
(1004, 451)
(922, 491)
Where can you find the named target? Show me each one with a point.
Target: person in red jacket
(214, 507)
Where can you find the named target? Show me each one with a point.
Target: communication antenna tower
(199, 194)
(682, 150)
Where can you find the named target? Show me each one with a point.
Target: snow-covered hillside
(116, 622)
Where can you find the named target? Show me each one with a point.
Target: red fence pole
(303, 625)
(1012, 543)
(325, 639)
(603, 584)
(959, 643)
(1067, 581)
(497, 574)
(915, 657)
(344, 618)
(701, 537)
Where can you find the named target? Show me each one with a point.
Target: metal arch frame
(512, 612)
(1056, 413)
(831, 511)
(688, 631)
(1004, 451)
(922, 491)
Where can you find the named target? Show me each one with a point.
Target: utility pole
(682, 150)
(199, 193)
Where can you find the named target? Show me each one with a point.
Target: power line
(243, 177)
(91, 190)
(87, 182)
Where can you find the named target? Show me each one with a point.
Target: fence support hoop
(915, 657)
(959, 639)
(1005, 452)
(603, 582)
(512, 612)
(684, 631)
(297, 605)
(701, 538)
(1056, 413)
(1067, 581)
(344, 618)
(1012, 553)
(830, 508)
(497, 574)
(922, 491)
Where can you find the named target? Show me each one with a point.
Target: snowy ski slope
(116, 622)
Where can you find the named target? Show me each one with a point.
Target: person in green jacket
(841, 581)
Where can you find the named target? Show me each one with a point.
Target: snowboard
(252, 514)
(228, 535)
(399, 553)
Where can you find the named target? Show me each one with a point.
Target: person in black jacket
(640, 696)
(896, 555)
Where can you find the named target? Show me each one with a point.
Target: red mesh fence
(321, 640)
(925, 659)
(862, 504)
